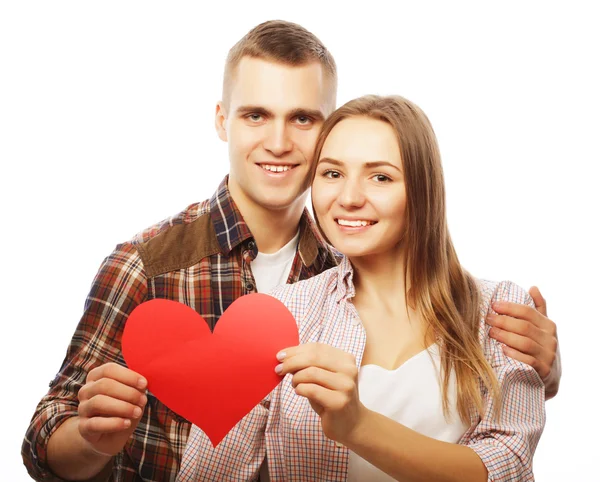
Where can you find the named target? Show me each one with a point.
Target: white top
(272, 270)
(412, 396)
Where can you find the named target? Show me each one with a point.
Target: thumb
(538, 299)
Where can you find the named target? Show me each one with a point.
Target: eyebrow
(300, 112)
(369, 165)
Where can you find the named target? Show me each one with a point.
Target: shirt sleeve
(118, 287)
(506, 444)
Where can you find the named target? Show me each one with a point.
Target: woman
(395, 377)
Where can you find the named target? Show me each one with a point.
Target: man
(98, 421)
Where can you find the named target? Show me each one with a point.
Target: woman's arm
(410, 456)
(496, 449)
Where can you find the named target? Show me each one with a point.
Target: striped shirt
(201, 257)
(285, 428)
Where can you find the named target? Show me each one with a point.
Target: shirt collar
(232, 230)
(344, 287)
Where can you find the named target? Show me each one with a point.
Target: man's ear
(221, 121)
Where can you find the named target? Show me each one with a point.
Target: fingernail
(493, 332)
(127, 423)
(144, 400)
(497, 305)
(281, 356)
(279, 369)
(141, 383)
(137, 411)
(491, 318)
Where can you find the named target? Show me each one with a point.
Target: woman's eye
(382, 178)
(331, 174)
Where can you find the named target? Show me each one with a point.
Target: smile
(356, 223)
(277, 168)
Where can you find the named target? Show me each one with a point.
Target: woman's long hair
(444, 294)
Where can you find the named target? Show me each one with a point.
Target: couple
(394, 315)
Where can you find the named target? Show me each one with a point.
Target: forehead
(278, 87)
(362, 139)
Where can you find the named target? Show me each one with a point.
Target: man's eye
(255, 117)
(303, 120)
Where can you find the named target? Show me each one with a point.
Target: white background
(106, 126)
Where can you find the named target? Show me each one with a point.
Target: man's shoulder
(178, 241)
(189, 215)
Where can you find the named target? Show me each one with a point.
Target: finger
(538, 299)
(516, 325)
(541, 368)
(103, 406)
(114, 389)
(119, 373)
(517, 310)
(330, 359)
(522, 343)
(324, 378)
(92, 427)
(328, 399)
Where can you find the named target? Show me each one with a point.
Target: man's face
(272, 122)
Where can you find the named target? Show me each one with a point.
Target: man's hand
(110, 406)
(530, 336)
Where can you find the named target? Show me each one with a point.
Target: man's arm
(530, 337)
(63, 438)
(110, 405)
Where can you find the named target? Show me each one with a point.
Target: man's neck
(272, 228)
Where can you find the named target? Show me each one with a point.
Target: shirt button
(355, 321)
(249, 287)
(251, 245)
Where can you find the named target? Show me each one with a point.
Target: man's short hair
(281, 42)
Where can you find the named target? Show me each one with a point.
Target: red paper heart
(211, 379)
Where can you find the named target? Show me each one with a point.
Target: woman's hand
(328, 378)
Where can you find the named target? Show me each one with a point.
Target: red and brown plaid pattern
(200, 257)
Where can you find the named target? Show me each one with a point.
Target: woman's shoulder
(301, 295)
(493, 291)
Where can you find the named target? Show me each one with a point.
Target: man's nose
(278, 140)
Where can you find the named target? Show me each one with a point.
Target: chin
(276, 202)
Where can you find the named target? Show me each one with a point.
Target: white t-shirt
(412, 396)
(270, 271)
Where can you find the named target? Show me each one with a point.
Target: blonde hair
(444, 294)
(281, 42)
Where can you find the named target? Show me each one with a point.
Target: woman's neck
(380, 279)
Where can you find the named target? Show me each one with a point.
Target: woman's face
(358, 192)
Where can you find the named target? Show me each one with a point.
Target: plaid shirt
(286, 429)
(200, 257)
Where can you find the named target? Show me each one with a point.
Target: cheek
(393, 205)
(243, 140)
(323, 197)
(305, 142)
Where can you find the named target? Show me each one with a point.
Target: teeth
(271, 168)
(354, 224)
